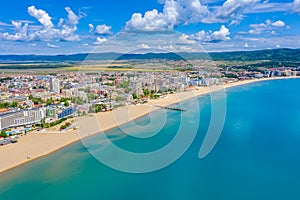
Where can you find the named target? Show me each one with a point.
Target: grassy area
(116, 69)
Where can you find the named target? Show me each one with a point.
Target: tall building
(20, 118)
(54, 85)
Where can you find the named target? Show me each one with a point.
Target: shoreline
(37, 145)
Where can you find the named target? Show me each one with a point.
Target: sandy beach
(35, 145)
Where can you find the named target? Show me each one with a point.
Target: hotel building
(20, 118)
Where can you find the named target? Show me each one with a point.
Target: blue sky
(56, 27)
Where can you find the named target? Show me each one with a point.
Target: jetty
(170, 108)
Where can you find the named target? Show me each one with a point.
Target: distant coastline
(36, 145)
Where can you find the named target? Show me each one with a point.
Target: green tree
(14, 104)
(78, 100)
(91, 96)
(49, 101)
(3, 134)
(63, 127)
(43, 123)
(134, 96)
(97, 108)
(4, 105)
(146, 92)
(118, 98)
(66, 104)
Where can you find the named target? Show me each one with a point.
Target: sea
(255, 156)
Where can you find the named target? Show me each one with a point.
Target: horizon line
(229, 51)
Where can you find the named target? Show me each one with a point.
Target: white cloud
(4, 24)
(201, 36)
(216, 36)
(47, 32)
(33, 45)
(61, 22)
(221, 35)
(246, 45)
(278, 23)
(151, 21)
(143, 46)
(269, 7)
(174, 48)
(42, 16)
(167, 47)
(231, 10)
(103, 30)
(184, 12)
(296, 6)
(20, 32)
(281, 41)
(185, 40)
(72, 18)
(267, 27)
(52, 45)
(91, 27)
(174, 12)
(100, 40)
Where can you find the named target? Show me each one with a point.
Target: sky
(68, 27)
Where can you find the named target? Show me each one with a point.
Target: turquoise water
(256, 157)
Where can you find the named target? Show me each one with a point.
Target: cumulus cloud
(47, 32)
(184, 12)
(100, 40)
(72, 18)
(61, 22)
(42, 16)
(267, 27)
(103, 30)
(278, 23)
(20, 32)
(185, 40)
(174, 12)
(216, 36)
(221, 35)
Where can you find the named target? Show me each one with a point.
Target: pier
(171, 108)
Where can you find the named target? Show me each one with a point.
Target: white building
(22, 117)
(54, 85)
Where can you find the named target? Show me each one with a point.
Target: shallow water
(256, 157)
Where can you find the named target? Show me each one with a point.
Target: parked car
(13, 140)
(4, 141)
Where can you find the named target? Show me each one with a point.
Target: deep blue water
(256, 157)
